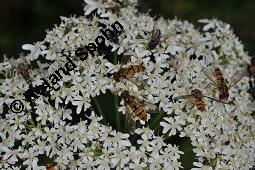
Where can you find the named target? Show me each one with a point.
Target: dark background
(26, 21)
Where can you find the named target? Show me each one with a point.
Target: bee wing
(182, 97)
(153, 107)
(230, 103)
(155, 31)
(130, 117)
(165, 37)
(173, 62)
(154, 27)
(133, 81)
(208, 73)
(125, 59)
(236, 78)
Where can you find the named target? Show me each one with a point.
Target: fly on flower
(127, 73)
(219, 82)
(197, 98)
(134, 107)
(156, 37)
(22, 68)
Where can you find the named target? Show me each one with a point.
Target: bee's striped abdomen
(197, 98)
(141, 114)
(221, 85)
(200, 105)
(218, 75)
(134, 69)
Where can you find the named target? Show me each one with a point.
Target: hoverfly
(127, 73)
(156, 38)
(220, 83)
(22, 68)
(197, 98)
(134, 106)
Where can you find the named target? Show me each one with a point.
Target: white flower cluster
(83, 146)
(223, 136)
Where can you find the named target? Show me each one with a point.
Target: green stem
(166, 136)
(155, 121)
(133, 139)
(115, 98)
(117, 114)
(115, 59)
(99, 109)
(126, 123)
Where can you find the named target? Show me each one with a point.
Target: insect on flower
(127, 73)
(134, 106)
(219, 81)
(156, 38)
(197, 98)
(22, 68)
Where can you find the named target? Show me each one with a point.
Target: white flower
(172, 125)
(35, 51)
(81, 102)
(222, 135)
(90, 6)
(201, 166)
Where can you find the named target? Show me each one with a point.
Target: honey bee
(197, 98)
(22, 68)
(220, 83)
(156, 38)
(134, 106)
(127, 73)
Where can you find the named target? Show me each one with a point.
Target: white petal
(28, 47)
